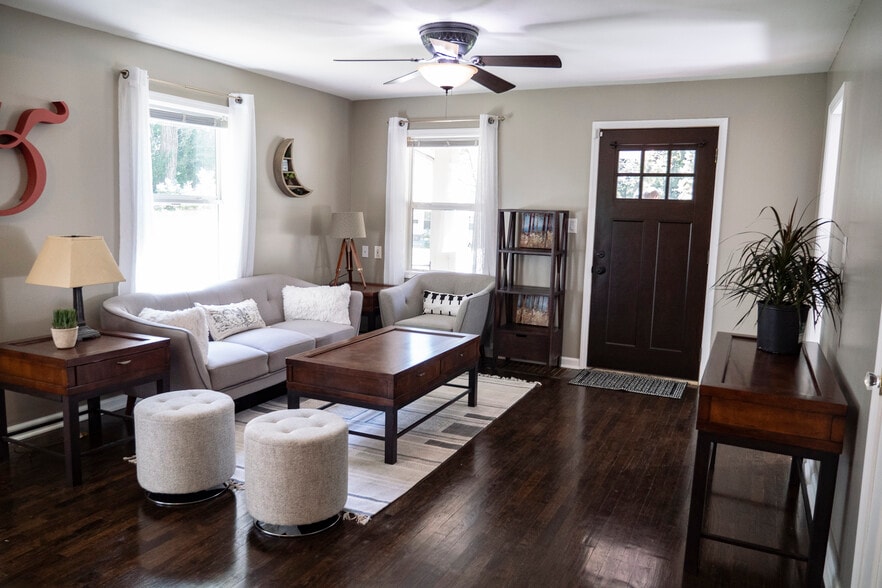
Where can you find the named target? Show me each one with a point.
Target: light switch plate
(573, 225)
(365, 251)
(378, 252)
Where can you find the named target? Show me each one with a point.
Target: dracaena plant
(783, 267)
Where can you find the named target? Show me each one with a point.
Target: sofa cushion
(192, 319)
(230, 364)
(278, 344)
(442, 302)
(227, 319)
(320, 303)
(438, 322)
(322, 332)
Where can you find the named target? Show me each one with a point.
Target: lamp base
(87, 332)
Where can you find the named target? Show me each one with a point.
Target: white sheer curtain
(238, 218)
(396, 202)
(135, 172)
(486, 198)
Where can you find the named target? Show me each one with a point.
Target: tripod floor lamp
(348, 226)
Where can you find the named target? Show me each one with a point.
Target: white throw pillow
(442, 302)
(318, 303)
(192, 319)
(228, 319)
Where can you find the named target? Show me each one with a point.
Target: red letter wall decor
(36, 167)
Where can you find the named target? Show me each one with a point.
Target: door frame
(723, 125)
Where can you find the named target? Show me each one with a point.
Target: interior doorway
(652, 234)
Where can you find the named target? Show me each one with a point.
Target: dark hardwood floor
(573, 486)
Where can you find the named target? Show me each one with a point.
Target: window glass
(183, 235)
(656, 174)
(443, 187)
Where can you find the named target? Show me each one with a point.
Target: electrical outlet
(365, 251)
(378, 252)
(573, 225)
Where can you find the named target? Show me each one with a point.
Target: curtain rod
(449, 120)
(125, 74)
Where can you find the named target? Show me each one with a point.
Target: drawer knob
(421, 374)
(125, 362)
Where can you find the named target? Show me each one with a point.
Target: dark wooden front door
(654, 205)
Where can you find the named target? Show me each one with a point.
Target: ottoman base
(161, 499)
(297, 530)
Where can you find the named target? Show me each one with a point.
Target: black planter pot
(778, 328)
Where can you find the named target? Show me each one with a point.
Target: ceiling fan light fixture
(447, 75)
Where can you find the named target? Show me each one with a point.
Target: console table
(785, 404)
(107, 364)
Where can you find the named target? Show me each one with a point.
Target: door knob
(871, 381)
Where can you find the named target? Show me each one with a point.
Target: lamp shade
(347, 225)
(447, 75)
(74, 261)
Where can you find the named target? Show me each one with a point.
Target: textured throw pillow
(442, 302)
(228, 319)
(317, 303)
(192, 319)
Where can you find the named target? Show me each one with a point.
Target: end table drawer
(121, 367)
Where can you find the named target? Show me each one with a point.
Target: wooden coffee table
(385, 370)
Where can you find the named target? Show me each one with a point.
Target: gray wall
(42, 60)
(858, 211)
(775, 142)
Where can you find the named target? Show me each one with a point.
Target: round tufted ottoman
(186, 445)
(296, 471)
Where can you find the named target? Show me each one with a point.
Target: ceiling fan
(448, 67)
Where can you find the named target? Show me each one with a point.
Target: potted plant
(64, 327)
(782, 273)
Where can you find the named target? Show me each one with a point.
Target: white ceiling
(599, 41)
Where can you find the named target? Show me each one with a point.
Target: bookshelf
(531, 280)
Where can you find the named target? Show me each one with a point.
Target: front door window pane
(629, 162)
(683, 161)
(681, 188)
(655, 161)
(628, 187)
(654, 187)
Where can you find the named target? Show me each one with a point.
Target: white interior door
(868, 548)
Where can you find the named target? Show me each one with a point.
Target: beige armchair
(403, 304)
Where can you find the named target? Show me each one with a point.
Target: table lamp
(75, 261)
(348, 226)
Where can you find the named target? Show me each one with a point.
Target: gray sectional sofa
(241, 363)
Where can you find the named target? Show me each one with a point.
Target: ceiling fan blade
(492, 82)
(517, 60)
(412, 60)
(405, 78)
(445, 48)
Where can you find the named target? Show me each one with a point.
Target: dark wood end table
(370, 306)
(385, 370)
(107, 364)
(785, 404)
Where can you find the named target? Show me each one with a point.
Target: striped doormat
(630, 383)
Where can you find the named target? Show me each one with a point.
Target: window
(442, 195)
(655, 174)
(182, 245)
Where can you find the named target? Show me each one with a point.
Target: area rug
(374, 484)
(650, 385)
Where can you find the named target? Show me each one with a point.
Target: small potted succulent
(64, 327)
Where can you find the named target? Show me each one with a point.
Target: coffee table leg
(293, 399)
(71, 431)
(391, 435)
(473, 386)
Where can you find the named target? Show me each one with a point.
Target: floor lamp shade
(348, 225)
(73, 262)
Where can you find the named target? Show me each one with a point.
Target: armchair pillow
(192, 319)
(317, 303)
(228, 319)
(442, 303)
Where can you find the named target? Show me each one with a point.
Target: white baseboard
(43, 424)
(570, 362)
